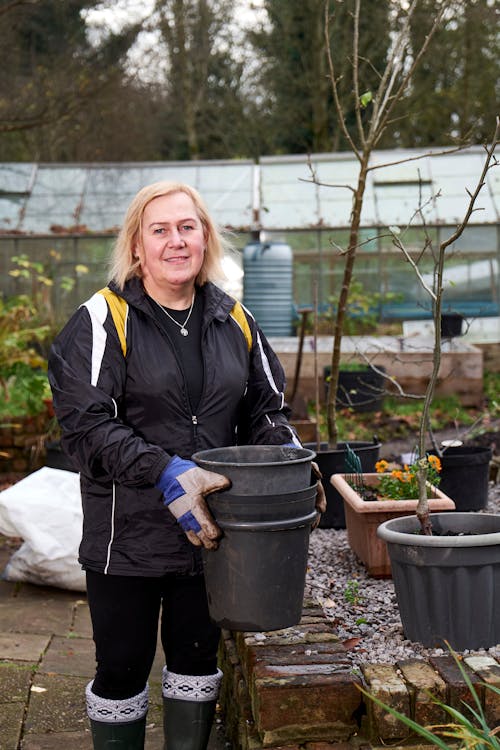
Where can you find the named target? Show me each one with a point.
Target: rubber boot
(117, 724)
(187, 724)
(188, 709)
(128, 736)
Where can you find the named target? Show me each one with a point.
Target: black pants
(125, 612)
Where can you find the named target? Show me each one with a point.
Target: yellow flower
(381, 466)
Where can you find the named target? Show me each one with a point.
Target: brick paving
(46, 659)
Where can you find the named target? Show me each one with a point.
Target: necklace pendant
(184, 331)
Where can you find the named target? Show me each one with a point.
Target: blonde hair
(124, 265)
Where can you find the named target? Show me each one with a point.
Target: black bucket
(333, 462)
(228, 507)
(269, 468)
(255, 580)
(465, 475)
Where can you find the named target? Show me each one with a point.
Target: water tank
(267, 286)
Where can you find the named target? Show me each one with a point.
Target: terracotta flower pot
(364, 517)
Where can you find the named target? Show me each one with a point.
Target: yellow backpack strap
(118, 309)
(238, 315)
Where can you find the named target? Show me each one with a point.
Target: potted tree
(371, 110)
(446, 568)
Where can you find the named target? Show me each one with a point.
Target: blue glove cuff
(168, 481)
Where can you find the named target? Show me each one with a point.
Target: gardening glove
(320, 493)
(184, 486)
(320, 490)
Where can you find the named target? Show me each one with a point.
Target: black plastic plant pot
(361, 390)
(465, 476)
(269, 468)
(447, 585)
(255, 580)
(332, 461)
(451, 325)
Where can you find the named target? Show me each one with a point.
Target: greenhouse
(65, 217)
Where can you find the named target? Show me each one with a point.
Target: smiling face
(171, 247)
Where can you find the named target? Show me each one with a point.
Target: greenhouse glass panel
(65, 204)
(452, 204)
(16, 178)
(10, 212)
(397, 204)
(286, 201)
(475, 239)
(59, 181)
(334, 196)
(171, 172)
(112, 180)
(228, 193)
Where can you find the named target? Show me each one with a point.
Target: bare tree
(374, 110)
(435, 292)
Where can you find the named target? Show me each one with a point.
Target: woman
(160, 364)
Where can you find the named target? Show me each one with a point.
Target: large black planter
(465, 475)
(447, 585)
(451, 325)
(333, 462)
(361, 390)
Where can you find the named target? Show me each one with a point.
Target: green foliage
(22, 380)
(68, 94)
(399, 418)
(492, 392)
(454, 95)
(362, 312)
(25, 390)
(468, 728)
(19, 335)
(352, 594)
(40, 278)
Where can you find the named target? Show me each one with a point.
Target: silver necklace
(182, 326)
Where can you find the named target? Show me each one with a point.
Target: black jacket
(123, 417)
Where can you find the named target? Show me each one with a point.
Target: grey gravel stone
(363, 609)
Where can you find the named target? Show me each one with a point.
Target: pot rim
(208, 457)
(410, 538)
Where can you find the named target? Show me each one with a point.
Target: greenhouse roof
(278, 192)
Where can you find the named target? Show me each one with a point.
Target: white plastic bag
(45, 510)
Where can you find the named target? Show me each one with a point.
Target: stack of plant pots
(255, 580)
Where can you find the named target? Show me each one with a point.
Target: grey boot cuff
(112, 711)
(188, 687)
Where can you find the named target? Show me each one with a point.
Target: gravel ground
(364, 609)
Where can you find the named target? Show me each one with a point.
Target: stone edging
(294, 689)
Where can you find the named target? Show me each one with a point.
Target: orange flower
(435, 462)
(381, 466)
